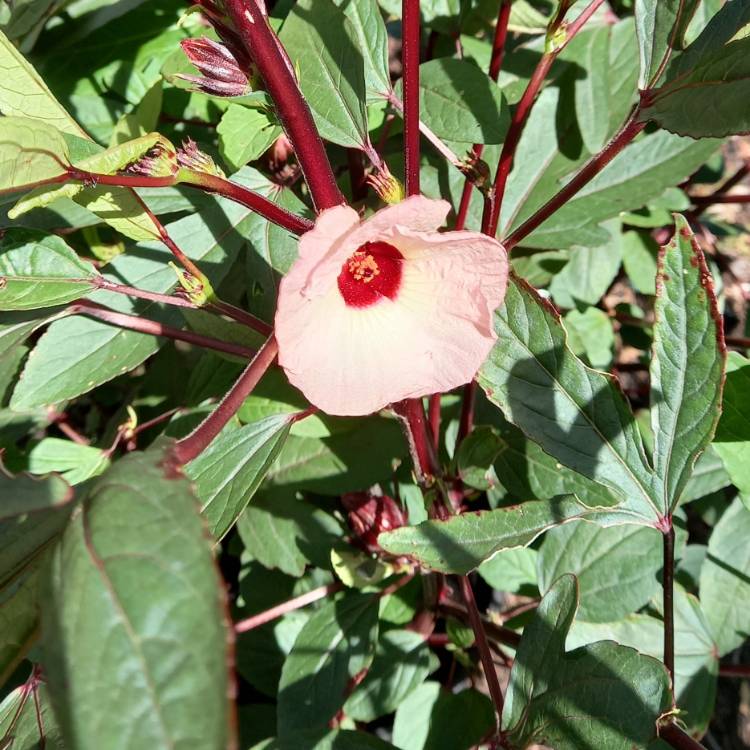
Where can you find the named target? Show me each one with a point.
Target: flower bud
(386, 186)
(189, 156)
(369, 515)
(222, 75)
(159, 161)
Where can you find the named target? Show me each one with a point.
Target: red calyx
(369, 515)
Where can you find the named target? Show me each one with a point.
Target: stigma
(371, 274)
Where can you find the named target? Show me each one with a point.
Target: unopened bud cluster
(221, 73)
(369, 515)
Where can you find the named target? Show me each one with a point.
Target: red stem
(491, 215)
(130, 291)
(121, 180)
(466, 420)
(592, 167)
(734, 670)
(494, 202)
(263, 46)
(197, 441)
(410, 36)
(208, 182)
(668, 583)
(153, 328)
(217, 307)
(421, 444)
(254, 201)
(433, 417)
(488, 664)
(678, 739)
(498, 41)
(708, 200)
(289, 606)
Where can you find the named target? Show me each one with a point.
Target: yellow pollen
(363, 267)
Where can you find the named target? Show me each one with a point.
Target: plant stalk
(153, 328)
(243, 626)
(678, 738)
(491, 216)
(411, 37)
(485, 655)
(668, 583)
(249, 198)
(264, 48)
(198, 440)
(593, 166)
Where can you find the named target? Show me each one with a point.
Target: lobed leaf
(600, 695)
(461, 543)
(576, 414)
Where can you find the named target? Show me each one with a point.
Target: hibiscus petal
(432, 337)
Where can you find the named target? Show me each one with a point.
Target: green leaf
(334, 646)
(639, 173)
(616, 567)
(38, 270)
(401, 664)
(528, 472)
(426, 719)
(76, 354)
(24, 494)
(230, 470)
(322, 739)
(355, 458)
(463, 542)
(661, 26)
(372, 37)
(133, 590)
(590, 335)
(587, 275)
(460, 102)
(576, 414)
(696, 660)
(24, 537)
(281, 531)
(323, 47)
(32, 151)
(75, 463)
(23, 93)
(24, 729)
(272, 250)
(511, 570)
(706, 88)
(19, 618)
(601, 695)
(639, 258)
(245, 134)
(732, 439)
(687, 364)
(592, 90)
(102, 74)
(725, 579)
(119, 207)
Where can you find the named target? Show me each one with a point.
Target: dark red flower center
(371, 272)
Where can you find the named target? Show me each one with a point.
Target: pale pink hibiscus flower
(376, 311)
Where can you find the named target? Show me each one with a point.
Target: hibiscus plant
(364, 378)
